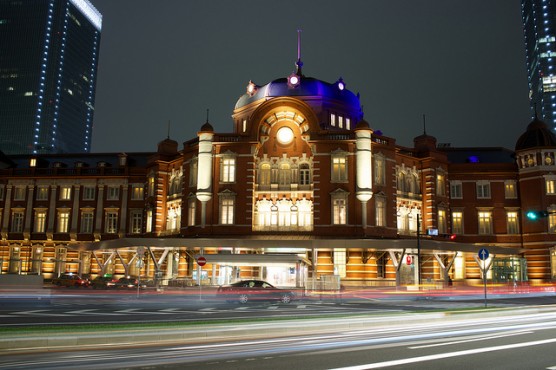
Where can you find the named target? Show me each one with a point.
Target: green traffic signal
(534, 215)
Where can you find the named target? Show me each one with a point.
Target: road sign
(483, 254)
(201, 261)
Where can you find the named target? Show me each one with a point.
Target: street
(506, 339)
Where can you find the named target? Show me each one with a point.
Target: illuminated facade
(48, 76)
(302, 190)
(539, 25)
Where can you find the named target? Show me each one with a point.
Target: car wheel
(243, 298)
(286, 298)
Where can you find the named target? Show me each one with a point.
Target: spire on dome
(299, 63)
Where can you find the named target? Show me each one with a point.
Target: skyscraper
(48, 70)
(539, 25)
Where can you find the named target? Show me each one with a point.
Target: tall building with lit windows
(48, 70)
(539, 26)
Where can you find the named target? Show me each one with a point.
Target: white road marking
(439, 356)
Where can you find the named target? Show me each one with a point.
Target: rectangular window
(193, 172)
(17, 222)
(228, 170)
(457, 222)
(340, 262)
(89, 193)
(40, 221)
(340, 212)
(511, 220)
(552, 223)
(348, 124)
(340, 122)
(380, 171)
(510, 189)
(380, 211)
(19, 193)
(227, 211)
(136, 222)
(485, 223)
(304, 174)
(111, 226)
(150, 186)
(483, 190)
(381, 266)
(87, 222)
(149, 223)
(42, 193)
(65, 192)
(456, 190)
(550, 186)
(440, 185)
(63, 221)
(137, 192)
(442, 228)
(113, 193)
(285, 175)
(332, 119)
(191, 208)
(339, 169)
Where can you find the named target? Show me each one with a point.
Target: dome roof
(537, 135)
(362, 125)
(308, 87)
(207, 127)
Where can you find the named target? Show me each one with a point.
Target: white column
(204, 172)
(364, 166)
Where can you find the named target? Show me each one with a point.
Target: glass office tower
(48, 67)
(539, 24)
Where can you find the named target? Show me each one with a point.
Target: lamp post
(418, 250)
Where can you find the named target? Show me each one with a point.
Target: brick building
(302, 190)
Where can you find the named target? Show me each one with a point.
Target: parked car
(103, 282)
(71, 280)
(129, 283)
(246, 290)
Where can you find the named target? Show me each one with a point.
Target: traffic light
(535, 215)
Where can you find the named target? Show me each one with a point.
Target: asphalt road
(521, 338)
(78, 306)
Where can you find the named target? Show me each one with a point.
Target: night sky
(459, 62)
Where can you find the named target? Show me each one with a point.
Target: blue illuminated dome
(308, 88)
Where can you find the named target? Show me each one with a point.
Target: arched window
(264, 174)
(401, 182)
(285, 175)
(304, 174)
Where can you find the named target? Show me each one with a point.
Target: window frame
(65, 192)
(480, 187)
(87, 216)
(39, 220)
(63, 221)
(456, 189)
(228, 170)
(339, 168)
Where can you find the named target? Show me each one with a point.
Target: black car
(128, 283)
(103, 282)
(246, 290)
